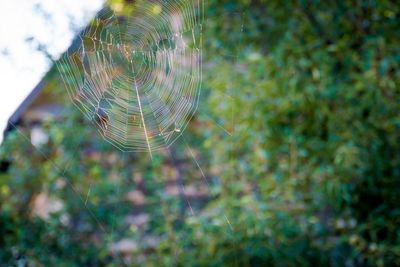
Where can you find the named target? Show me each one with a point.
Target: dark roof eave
(16, 116)
(26, 103)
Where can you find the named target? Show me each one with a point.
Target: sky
(26, 26)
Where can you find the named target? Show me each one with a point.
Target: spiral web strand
(138, 81)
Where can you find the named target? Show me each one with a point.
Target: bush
(297, 135)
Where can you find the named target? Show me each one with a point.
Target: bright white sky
(52, 23)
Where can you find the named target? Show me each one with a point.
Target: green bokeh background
(297, 135)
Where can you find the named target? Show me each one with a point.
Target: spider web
(138, 81)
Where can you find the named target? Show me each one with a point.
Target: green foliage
(297, 135)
